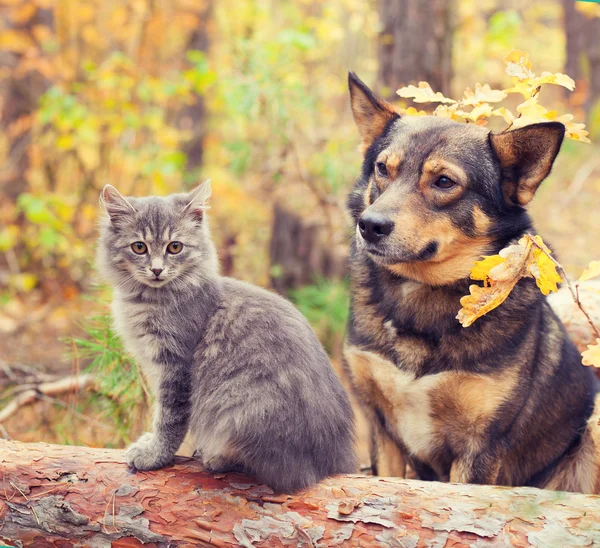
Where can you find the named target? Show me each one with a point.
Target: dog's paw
(147, 454)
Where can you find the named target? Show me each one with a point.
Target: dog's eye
(174, 247)
(444, 183)
(139, 247)
(381, 169)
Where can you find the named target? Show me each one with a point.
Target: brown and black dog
(505, 401)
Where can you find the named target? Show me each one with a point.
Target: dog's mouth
(391, 256)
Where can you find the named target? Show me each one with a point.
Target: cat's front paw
(147, 454)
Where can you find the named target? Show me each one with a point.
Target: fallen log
(63, 496)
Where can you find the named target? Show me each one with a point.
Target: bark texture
(415, 44)
(583, 48)
(300, 253)
(59, 496)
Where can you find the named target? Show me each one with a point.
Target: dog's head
(435, 195)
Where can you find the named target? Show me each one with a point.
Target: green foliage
(119, 390)
(325, 305)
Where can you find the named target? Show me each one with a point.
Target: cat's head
(156, 242)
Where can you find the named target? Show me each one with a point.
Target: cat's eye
(139, 247)
(174, 247)
(381, 169)
(444, 183)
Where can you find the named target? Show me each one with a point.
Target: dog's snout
(374, 227)
(157, 271)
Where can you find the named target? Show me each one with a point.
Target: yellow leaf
(592, 271)
(542, 267)
(15, 40)
(575, 131)
(64, 142)
(8, 237)
(532, 109)
(588, 9)
(412, 111)
(482, 94)
(481, 269)
(518, 65)
(505, 113)
(481, 301)
(591, 356)
(23, 13)
(555, 78)
(501, 272)
(423, 94)
(480, 111)
(23, 282)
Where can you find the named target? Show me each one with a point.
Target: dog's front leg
(482, 468)
(171, 417)
(387, 459)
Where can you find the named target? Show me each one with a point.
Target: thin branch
(46, 389)
(574, 293)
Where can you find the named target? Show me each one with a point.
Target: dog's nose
(374, 227)
(157, 271)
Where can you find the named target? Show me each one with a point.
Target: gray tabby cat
(235, 365)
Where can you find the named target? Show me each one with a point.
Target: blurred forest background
(153, 96)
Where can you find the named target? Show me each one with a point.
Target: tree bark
(300, 253)
(20, 92)
(60, 496)
(583, 46)
(415, 44)
(193, 116)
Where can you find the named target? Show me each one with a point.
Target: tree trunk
(60, 496)
(194, 115)
(300, 252)
(583, 47)
(415, 44)
(20, 92)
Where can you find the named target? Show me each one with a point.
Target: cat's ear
(197, 200)
(115, 204)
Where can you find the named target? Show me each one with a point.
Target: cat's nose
(157, 271)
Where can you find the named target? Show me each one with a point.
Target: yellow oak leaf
(412, 111)
(480, 111)
(592, 271)
(500, 273)
(481, 301)
(482, 94)
(505, 113)
(423, 94)
(591, 356)
(532, 109)
(518, 65)
(555, 78)
(544, 269)
(575, 131)
(481, 269)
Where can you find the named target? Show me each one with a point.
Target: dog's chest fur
(407, 362)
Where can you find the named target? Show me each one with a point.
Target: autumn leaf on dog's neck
(529, 258)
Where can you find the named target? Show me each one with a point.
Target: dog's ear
(371, 113)
(526, 156)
